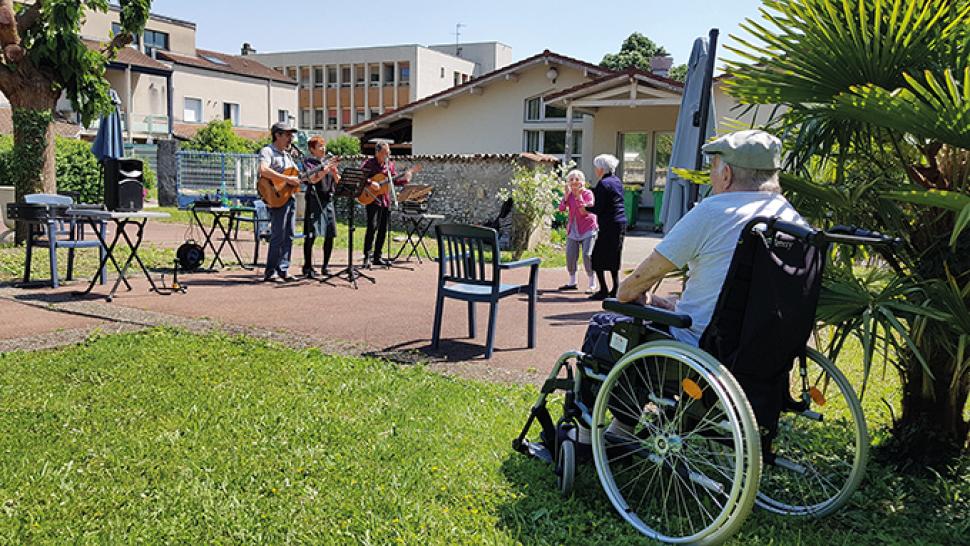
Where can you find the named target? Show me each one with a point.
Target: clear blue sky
(583, 29)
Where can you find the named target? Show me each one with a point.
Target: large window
(155, 40)
(375, 74)
(405, 74)
(318, 76)
(192, 110)
(332, 76)
(388, 74)
(331, 119)
(359, 76)
(537, 110)
(345, 76)
(305, 77)
(553, 143)
(305, 118)
(230, 111)
(318, 117)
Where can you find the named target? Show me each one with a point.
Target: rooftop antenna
(458, 34)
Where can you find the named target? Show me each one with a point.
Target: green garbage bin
(658, 203)
(631, 204)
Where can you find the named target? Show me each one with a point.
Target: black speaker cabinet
(124, 185)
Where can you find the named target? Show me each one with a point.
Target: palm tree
(879, 130)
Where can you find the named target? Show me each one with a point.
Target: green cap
(747, 149)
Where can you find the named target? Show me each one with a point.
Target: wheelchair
(752, 417)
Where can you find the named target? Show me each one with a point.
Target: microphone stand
(392, 261)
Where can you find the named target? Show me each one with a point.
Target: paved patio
(391, 318)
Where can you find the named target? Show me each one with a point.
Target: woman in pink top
(580, 229)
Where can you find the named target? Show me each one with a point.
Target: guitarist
(274, 159)
(321, 219)
(378, 212)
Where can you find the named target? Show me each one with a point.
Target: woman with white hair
(580, 229)
(611, 217)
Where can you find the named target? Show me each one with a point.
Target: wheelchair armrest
(521, 263)
(646, 312)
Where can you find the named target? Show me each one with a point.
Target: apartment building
(168, 87)
(342, 87)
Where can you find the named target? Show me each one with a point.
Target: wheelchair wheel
(820, 452)
(566, 467)
(688, 471)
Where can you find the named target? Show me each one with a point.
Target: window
(405, 74)
(388, 74)
(464, 78)
(442, 72)
(318, 76)
(230, 111)
(332, 76)
(536, 110)
(345, 76)
(155, 40)
(283, 115)
(457, 78)
(553, 143)
(361, 116)
(332, 119)
(116, 30)
(359, 77)
(305, 118)
(304, 77)
(374, 113)
(291, 72)
(375, 74)
(318, 117)
(192, 111)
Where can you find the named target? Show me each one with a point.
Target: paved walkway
(392, 318)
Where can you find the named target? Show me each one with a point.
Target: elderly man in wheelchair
(695, 410)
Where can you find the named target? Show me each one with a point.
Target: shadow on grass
(449, 350)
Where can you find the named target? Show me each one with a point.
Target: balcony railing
(141, 123)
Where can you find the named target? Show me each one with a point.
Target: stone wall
(465, 186)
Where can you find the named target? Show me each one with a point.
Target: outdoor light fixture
(552, 74)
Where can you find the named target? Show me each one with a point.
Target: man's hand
(374, 186)
(663, 302)
(293, 180)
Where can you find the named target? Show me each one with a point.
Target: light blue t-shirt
(704, 240)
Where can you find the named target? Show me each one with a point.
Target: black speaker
(124, 185)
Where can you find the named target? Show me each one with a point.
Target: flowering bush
(535, 191)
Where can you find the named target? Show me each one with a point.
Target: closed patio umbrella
(678, 193)
(108, 143)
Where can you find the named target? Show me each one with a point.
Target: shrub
(344, 145)
(533, 190)
(218, 136)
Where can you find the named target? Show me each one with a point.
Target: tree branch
(30, 16)
(9, 37)
(119, 41)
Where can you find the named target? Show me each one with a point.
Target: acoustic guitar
(276, 194)
(368, 196)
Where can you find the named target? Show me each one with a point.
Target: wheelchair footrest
(536, 450)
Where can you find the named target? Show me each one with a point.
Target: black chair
(470, 269)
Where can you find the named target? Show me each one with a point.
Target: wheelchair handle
(850, 235)
(647, 312)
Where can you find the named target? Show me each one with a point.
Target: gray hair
(745, 179)
(577, 173)
(382, 145)
(606, 162)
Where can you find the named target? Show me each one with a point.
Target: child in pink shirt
(581, 228)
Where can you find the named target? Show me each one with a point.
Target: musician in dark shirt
(320, 218)
(379, 211)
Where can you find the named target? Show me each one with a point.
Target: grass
(129, 439)
(86, 261)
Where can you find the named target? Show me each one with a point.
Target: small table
(121, 220)
(218, 214)
(417, 226)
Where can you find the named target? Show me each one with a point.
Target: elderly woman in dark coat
(608, 207)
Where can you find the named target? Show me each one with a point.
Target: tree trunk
(931, 429)
(33, 134)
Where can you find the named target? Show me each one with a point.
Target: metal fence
(232, 176)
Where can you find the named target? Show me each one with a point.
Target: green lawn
(86, 261)
(165, 436)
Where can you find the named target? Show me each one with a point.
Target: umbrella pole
(705, 109)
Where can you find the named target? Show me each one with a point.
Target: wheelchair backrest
(765, 312)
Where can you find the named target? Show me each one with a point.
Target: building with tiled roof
(169, 88)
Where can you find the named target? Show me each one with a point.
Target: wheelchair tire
(819, 457)
(689, 471)
(566, 467)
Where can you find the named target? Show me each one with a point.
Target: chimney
(661, 65)
(247, 49)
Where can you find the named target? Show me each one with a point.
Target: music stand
(395, 206)
(352, 183)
